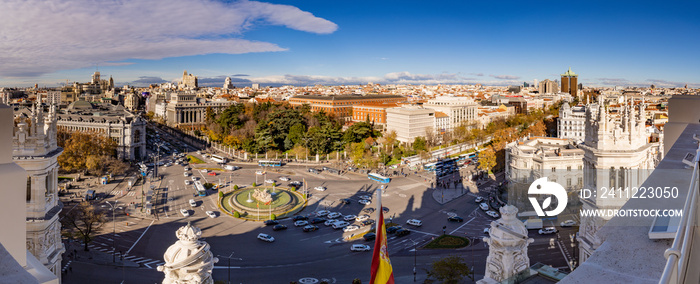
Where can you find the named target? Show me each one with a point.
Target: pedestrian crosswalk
(144, 261)
(122, 193)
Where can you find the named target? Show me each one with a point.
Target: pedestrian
(70, 268)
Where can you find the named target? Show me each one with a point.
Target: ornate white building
(186, 108)
(617, 154)
(572, 122)
(409, 122)
(35, 149)
(189, 81)
(188, 260)
(508, 243)
(128, 130)
(228, 84)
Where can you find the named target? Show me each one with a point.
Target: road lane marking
(465, 223)
(137, 241)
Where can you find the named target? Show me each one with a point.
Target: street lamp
(415, 257)
(114, 230)
(229, 264)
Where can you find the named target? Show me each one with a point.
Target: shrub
(208, 185)
(221, 194)
(236, 214)
(294, 188)
(356, 281)
(235, 187)
(254, 185)
(274, 184)
(273, 217)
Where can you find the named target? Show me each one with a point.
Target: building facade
(548, 86)
(458, 109)
(409, 122)
(128, 130)
(342, 105)
(188, 82)
(617, 154)
(569, 83)
(374, 111)
(186, 109)
(557, 159)
(35, 149)
(572, 122)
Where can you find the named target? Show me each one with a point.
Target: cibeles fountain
(189, 260)
(508, 243)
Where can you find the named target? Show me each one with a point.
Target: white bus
(219, 159)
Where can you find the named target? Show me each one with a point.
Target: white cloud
(39, 37)
(390, 78)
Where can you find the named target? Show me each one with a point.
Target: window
(568, 169)
(554, 169)
(29, 188)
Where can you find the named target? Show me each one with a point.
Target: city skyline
(346, 43)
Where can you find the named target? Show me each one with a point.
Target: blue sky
(350, 42)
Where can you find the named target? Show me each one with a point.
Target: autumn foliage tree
(88, 152)
(450, 269)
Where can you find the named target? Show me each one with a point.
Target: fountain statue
(262, 195)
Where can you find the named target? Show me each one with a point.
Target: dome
(80, 104)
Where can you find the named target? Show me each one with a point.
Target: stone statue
(508, 243)
(262, 195)
(188, 261)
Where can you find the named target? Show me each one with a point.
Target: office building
(460, 110)
(409, 122)
(569, 83)
(548, 86)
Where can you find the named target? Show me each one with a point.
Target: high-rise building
(548, 87)
(189, 81)
(569, 82)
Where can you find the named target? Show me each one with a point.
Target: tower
(569, 82)
(617, 154)
(34, 148)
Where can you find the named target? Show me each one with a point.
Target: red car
(212, 173)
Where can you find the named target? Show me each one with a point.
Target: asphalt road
(298, 255)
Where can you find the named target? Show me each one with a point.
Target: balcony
(629, 253)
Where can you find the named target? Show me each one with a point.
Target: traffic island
(261, 202)
(447, 242)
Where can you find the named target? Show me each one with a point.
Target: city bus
(199, 189)
(219, 159)
(378, 177)
(429, 167)
(270, 163)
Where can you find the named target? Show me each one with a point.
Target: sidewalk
(75, 253)
(445, 195)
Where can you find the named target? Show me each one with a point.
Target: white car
(492, 213)
(333, 215)
(204, 171)
(330, 222)
(547, 231)
(360, 248)
(340, 224)
(193, 203)
(414, 222)
(362, 218)
(320, 188)
(349, 217)
(187, 168)
(284, 179)
(211, 214)
(568, 223)
(195, 178)
(187, 182)
(266, 237)
(351, 228)
(300, 223)
(259, 173)
(479, 199)
(322, 213)
(295, 183)
(364, 202)
(484, 206)
(184, 212)
(367, 197)
(270, 181)
(187, 174)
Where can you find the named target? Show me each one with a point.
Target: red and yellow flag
(382, 273)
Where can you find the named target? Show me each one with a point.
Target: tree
(487, 159)
(273, 217)
(83, 222)
(449, 270)
(86, 152)
(235, 187)
(236, 214)
(419, 144)
(431, 138)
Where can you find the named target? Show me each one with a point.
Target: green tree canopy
(449, 270)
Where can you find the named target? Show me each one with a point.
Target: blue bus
(379, 178)
(270, 163)
(429, 167)
(199, 189)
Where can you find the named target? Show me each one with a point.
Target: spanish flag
(382, 273)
